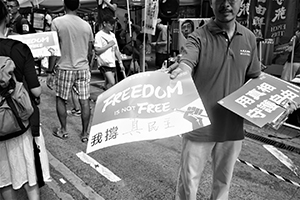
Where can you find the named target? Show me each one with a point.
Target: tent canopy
(90, 5)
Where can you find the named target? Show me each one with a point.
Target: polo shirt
(220, 66)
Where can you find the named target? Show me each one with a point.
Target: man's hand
(111, 43)
(175, 69)
(122, 66)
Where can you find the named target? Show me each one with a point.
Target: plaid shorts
(66, 80)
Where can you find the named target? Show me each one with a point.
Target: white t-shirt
(74, 35)
(108, 57)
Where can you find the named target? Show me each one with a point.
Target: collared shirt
(220, 66)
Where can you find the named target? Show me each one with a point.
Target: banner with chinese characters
(261, 100)
(151, 13)
(41, 44)
(146, 106)
(274, 19)
(243, 15)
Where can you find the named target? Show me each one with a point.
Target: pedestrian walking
(72, 70)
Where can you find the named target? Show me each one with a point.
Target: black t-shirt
(23, 59)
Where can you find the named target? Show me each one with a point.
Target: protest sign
(262, 100)
(151, 14)
(41, 44)
(146, 106)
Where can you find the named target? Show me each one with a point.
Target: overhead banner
(151, 13)
(262, 100)
(146, 106)
(41, 44)
(274, 19)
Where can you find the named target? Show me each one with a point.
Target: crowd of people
(222, 140)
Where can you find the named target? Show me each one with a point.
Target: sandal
(60, 134)
(84, 138)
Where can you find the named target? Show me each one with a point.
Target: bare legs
(33, 192)
(62, 114)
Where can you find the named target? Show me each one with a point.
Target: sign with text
(261, 100)
(151, 13)
(41, 44)
(276, 20)
(146, 106)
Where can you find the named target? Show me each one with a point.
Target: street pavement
(148, 170)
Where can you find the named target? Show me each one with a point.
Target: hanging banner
(243, 14)
(151, 11)
(274, 19)
(41, 44)
(262, 100)
(146, 106)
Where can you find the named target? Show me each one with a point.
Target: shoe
(60, 134)
(84, 138)
(74, 112)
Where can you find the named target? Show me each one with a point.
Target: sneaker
(74, 112)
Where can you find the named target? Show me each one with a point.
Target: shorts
(108, 69)
(67, 79)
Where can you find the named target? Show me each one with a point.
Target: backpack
(15, 103)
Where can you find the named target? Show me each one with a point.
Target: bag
(15, 103)
(40, 142)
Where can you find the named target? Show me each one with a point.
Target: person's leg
(64, 82)
(224, 156)
(82, 83)
(8, 193)
(33, 192)
(85, 115)
(61, 113)
(194, 156)
(110, 77)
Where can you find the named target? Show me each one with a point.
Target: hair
(189, 22)
(72, 4)
(3, 11)
(16, 2)
(108, 19)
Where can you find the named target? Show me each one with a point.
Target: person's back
(74, 36)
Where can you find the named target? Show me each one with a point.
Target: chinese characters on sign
(146, 106)
(262, 100)
(272, 18)
(242, 16)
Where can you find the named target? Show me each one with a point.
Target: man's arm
(112, 6)
(100, 50)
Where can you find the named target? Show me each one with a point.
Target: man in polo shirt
(220, 55)
(18, 23)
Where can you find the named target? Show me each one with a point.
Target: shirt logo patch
(245, 52)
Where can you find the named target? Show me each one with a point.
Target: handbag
(40, 142)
